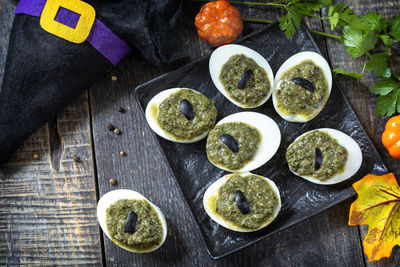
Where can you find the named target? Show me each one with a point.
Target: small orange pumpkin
(391, 136)
(219, 23)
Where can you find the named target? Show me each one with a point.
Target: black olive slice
(241, 202)
(130, 223)
(306, 84)
(230, 142)
(187, 109)
(318, 158)
(244, 78)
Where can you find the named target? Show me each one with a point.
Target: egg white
(290, 63)
(115, 195)
(222, 54)
(270, 138)
(153, 123)
(354, 157)
(213, 191)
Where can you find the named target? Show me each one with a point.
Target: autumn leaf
(378, 206)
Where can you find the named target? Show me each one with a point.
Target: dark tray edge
(216, 257)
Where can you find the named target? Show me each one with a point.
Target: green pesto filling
(148, 232)
(301, 156)
(172, 120)
(293, 98)
(247, 137)
(255, 89)
(262, 200)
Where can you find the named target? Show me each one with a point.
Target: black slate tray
(300, 199)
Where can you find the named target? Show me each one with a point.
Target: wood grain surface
(364, 102)
(47, 205)
(47, 200)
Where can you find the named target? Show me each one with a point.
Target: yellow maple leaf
(378, 206)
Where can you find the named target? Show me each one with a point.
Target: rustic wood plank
(317, 240)
(48, 204)
(362, 101)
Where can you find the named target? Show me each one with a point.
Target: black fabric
(44, 73)
(156, 28)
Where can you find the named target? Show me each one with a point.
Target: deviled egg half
(131, 221)
(242, 75)
(302, 87)
(324, 156)
(242, 202)
(181, 115)
(243, 141)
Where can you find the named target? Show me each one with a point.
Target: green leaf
(313, 6)
(342, 71)
(384, 86)
(398, 102)
(338, 8)
(383, 23)
(396, 95)
(348, 18)
(375, 20)
(369, 41)
(395, 27)
(333, 20)
(290, 22)
(346, 15)
(330, 11)
(300, 7)
(387, 40)
(334, 15)
(356, 43)
(378, 63)
(387, 73)
(316, 5)
(353, 41)
(325, 2)
(386, 105)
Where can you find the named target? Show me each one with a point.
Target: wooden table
(48, 205)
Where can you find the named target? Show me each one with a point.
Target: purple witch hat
(44, 71)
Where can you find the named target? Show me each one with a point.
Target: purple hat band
(100, 37)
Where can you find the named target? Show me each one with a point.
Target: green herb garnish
(361, 36)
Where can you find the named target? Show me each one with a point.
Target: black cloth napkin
(44, 73)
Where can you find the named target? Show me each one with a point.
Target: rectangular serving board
(300, 199)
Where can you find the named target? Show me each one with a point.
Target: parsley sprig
(361, 36)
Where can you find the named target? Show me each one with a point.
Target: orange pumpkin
(391, 136)
(219, 23)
